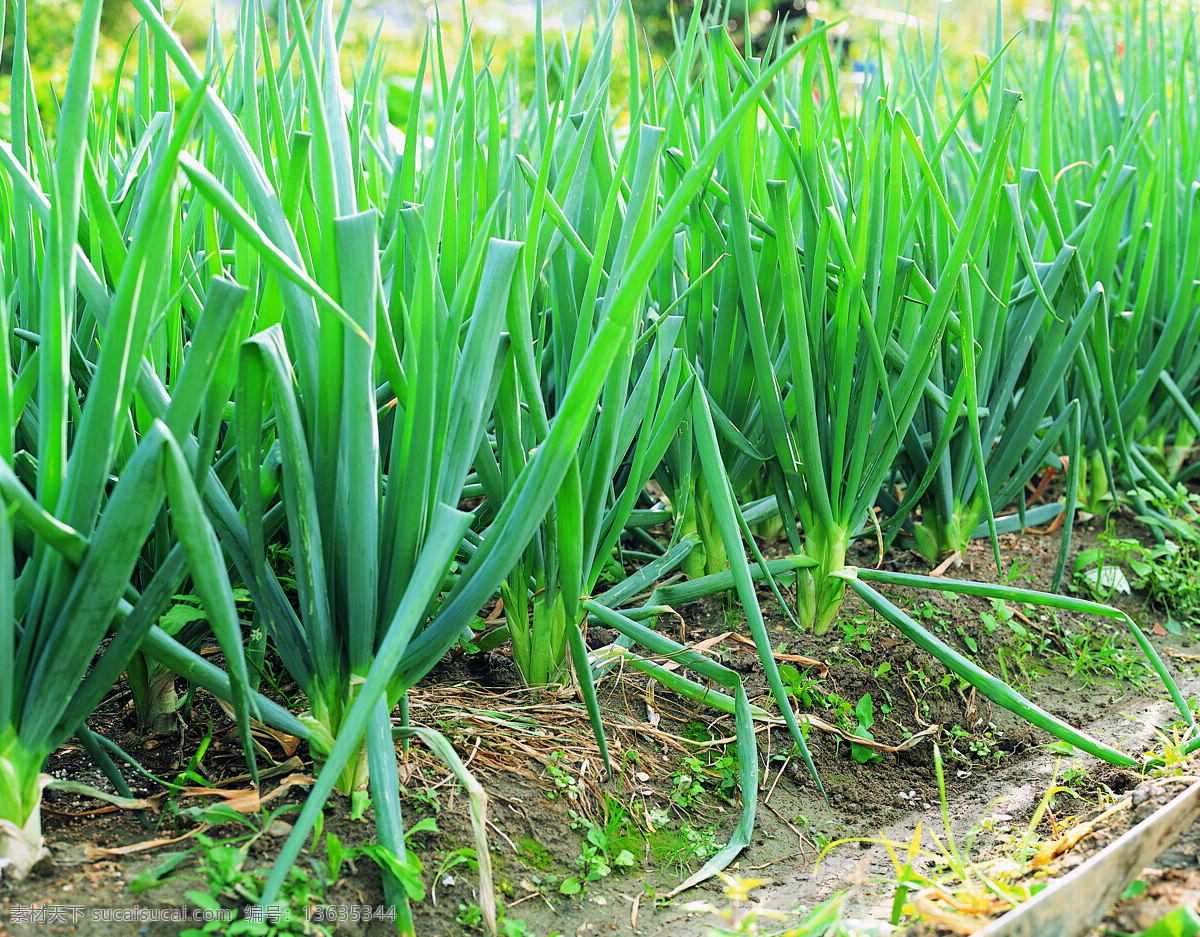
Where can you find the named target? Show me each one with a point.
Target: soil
(537, 760)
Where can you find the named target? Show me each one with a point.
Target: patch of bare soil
(673, 797)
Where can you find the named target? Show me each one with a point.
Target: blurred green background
(502, 33)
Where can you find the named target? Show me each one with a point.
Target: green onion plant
(70, 617)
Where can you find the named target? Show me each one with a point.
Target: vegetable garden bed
(570, 484)
(537, 759)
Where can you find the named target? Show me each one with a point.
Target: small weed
(597, 858)
(819, 835)
(545, 884)
(696, 731)
(1017, 572)
(456, 857)
(916, 678)
(1073, 775)
(728, 777)
(931, 614)
(1072, 781)
(1173, 752)
(806, 689)
(723, 767)
(425, 797)
(864, 713)
(564, 781)
(686, 787)
(734, 618)
(688, 783)
(1169, 573)
(808, 693)
(620, 828)
(978, 748)
(515, 927)
(858, 631)
(680, 847)
(222, 866)
(1093, 654)
(1024, 646)
(470, 916)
